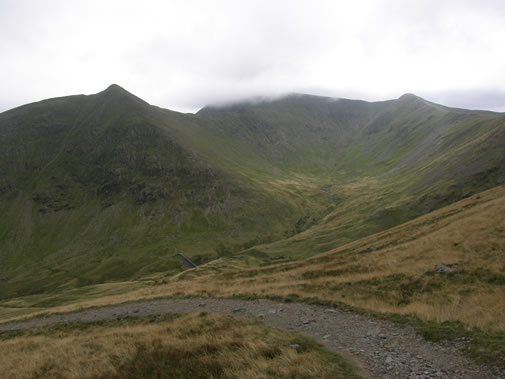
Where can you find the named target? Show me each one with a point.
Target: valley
(390, 210)
(105, 187)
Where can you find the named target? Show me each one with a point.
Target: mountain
(343, 138)
(378, 164)
(447, 265)
(104, 187)
(95, 188)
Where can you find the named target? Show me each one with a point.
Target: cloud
(471, 99)
(183, 55)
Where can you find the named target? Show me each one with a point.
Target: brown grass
(392, 271)
(196, 345)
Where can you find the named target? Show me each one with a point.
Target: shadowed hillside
(94, 188)
(104, 187)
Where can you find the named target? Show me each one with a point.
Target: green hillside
(94, 188)
(376, 164)
(104, 187)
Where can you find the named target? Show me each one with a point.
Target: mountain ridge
(102, 187)
(116, 89)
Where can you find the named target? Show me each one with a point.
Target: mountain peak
(408, 96)
(114, 88)
(115, 91)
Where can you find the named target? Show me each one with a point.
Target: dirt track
(380, 348)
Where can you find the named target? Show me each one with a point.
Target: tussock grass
(391, 272)
(197, 345)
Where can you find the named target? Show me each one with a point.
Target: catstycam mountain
(105, 187)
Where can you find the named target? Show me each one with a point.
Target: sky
(183, 55)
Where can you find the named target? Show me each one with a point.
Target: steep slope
(104, 187)
(379, 163)
(347, 138)
(391, 271)
(94, 189)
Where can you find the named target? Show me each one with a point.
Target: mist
(184, 55)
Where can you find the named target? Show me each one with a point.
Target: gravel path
(380, 348)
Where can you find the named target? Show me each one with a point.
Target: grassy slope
(96, 189)
(370, 165)
(390, 273)
(193, 346)
(393, 271)
(101, 188)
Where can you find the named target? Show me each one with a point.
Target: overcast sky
(183, 55)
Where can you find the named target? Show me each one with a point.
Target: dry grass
(392, 271)
(195, 345)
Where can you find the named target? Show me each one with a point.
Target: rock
(272, 311)
(329, 310)
(446, 268)
(326, 336)
(373, 332)
(409, 331)
(305, 322)
(441, 268)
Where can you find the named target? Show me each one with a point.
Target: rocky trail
(379, 348)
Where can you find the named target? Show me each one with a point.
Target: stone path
(380, 348)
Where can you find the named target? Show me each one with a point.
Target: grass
(197, 345)
(388, 273)
(26, 305)
(103, 188)
(483, 345)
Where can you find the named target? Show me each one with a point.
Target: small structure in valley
(186, 263)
